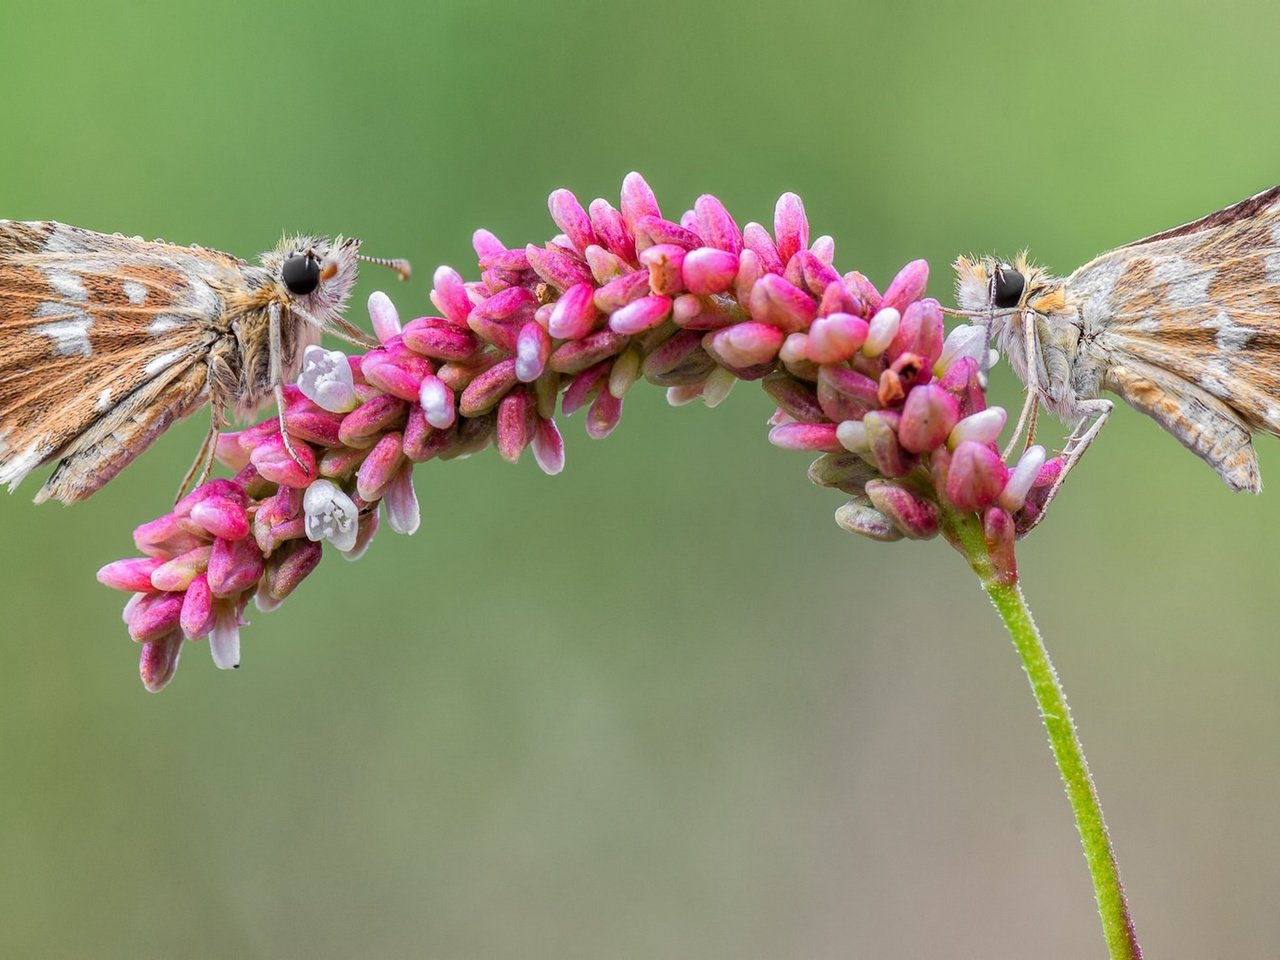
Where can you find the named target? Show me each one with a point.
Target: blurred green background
(660, 706)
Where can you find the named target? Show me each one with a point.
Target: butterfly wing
(103, 341)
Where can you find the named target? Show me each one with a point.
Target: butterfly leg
(202, 466)
(1030, 405)
(277, 379)
(1094, 415)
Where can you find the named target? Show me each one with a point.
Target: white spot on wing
(16, 470)
(66, 284)
(163, 361)
(104, 399)
(164, 323)
(1231, 336)
(70, 333)
(202, 296)
(136, 292)
(1188, 282)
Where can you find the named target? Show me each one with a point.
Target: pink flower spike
(326, 380)
(637, 200)
(745, 344)
(224, 638)
(558, 267)
(401, 502)
(574, 314)
(234, 566)
(984, 427)
(533, 347)
(197, 609)
(222, 517)
(383, 314)
(158, 661)
(976, 476)
(881, 331)
(708, 270)
(907, 286)
(790, 226)
(805, 436)
(277, 464)
(643, 314)
(716, 226)
(913, 515)
(665, 262)
(1015, 491)
(928, 416)
(548, 447)
(776, 302)
(569, 216)
(835, 337)
(132, 575)
(612, 230)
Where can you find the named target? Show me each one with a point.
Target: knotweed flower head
(622, 294)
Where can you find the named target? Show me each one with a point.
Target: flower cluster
(622, 294)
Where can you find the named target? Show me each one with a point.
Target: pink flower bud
(368, 421)
(557, 266)
(548, 447)
(616, 294)
(569, 216)
(805, 436)
(449, 294)
(612, 230)
(798, 399)
(844, 471)
(158, 661)
(882, 439)
(717, 226)
(196, 619)
(154, 616)
(790, 226)
(776, 302)
(176, 575)
(976, 476)
(277, 464)
(290, 566)
(1015, 491)
(516, 417)
(605, 266)
(928, 416)
(437, 403)
(916, 517)
(576, 355)
(398, 373)
(756, 239)
(222, 516)
(836, 337)
(583, 388)
(382, 463)
(234, 566)
(654, 230)
(533, 348)
(638, 200)
(881, 331)
(745, 344)
(132, 575)
(845, 394)
(605, 412)
(865, 289)
(680, 359)
(907, 286)
(983, 426)
(484, 392)
(440, 338)
(838, 298)
(815, 275)
(707, 270)
(643, 314)
(860, 517)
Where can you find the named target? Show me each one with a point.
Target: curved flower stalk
(864, 378)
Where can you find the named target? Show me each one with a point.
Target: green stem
(1006, 594)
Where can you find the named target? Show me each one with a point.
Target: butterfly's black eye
(1008, 286)
(301, 274)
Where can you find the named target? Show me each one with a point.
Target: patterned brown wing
(1201, 302)
(96, 330)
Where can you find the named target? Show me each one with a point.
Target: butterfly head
(317, 272)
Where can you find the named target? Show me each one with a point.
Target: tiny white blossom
(326, 379)
(330, 515)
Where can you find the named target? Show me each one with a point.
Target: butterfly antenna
(399, 265)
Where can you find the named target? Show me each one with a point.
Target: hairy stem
(1006, 595)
